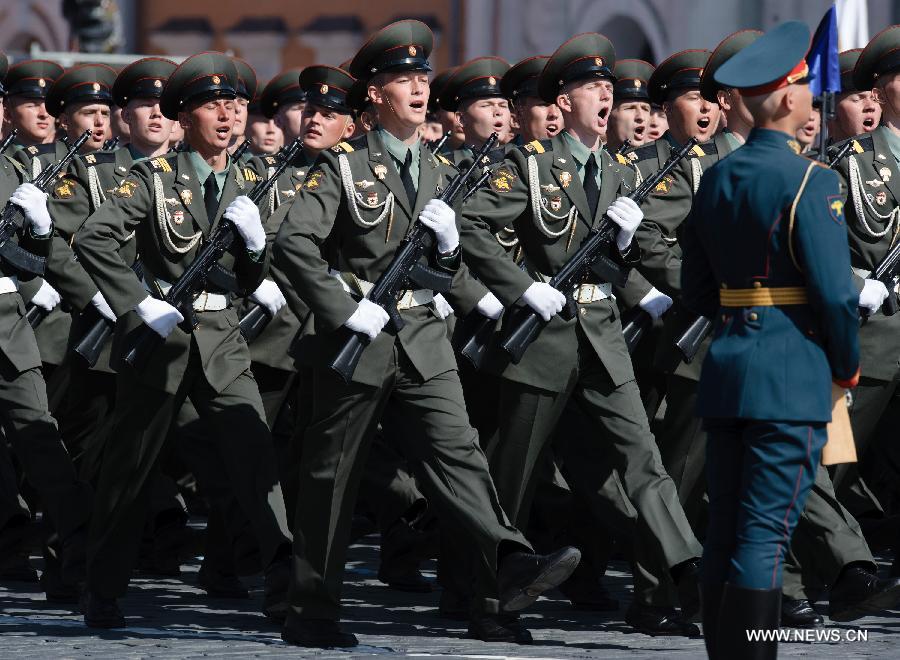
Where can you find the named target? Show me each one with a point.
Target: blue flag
(824, 67)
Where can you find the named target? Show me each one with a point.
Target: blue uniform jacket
(771, 363)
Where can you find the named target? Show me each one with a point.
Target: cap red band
(797, 73)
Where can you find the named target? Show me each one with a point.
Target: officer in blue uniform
(766, 255)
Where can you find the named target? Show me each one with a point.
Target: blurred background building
(275, 34)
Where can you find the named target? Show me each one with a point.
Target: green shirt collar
(582, 154)
(204, 169)
(398, 150)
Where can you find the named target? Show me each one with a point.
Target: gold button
(757, 285)
(752, 316)
(724, 286)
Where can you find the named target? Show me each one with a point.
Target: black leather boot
(748, 610)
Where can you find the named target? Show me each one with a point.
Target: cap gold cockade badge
(412, 51)
(323, 89)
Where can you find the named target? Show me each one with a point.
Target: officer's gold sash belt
(763, 297)
(360, 287)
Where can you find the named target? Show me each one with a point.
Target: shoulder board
(705, 149)
(40, 149)
(537, 146)
(249, 174)
(161, 164)
(495, 156)
(97, 157)
(863, 144)
(342, 147)
(814, 158)
(443, 159)
(643, 152)
(359, 142)
(621, 159)
(270, 161)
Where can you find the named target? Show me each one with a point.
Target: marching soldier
(283, 101)
(764, 248)
(856, 112)
(28, 424)
(267, 138)
(171, 204)
(360, 200)
(446, 118)
(630, 114)
(246, 91)
(575, 182)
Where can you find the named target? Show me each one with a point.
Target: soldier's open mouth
(417, 105)
(552, 128)
(703, 123)
(869, 122)
(639, 131)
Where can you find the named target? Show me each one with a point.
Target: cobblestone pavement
(172, 618)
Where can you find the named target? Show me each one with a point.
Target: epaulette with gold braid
(250, 175)
(342, 147)
(537, 146)
(161, 164)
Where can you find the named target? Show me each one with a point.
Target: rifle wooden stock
(691, 339)
(635, 324)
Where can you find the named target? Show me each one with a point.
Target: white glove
(441, 306)
(34, 202)
(489, 306)
(269, 296)
(873, 294)
(46, 297)
(368, 319)
(441, 219)
(103, 307)
(544, 299)
(655, 303)
(159, 315)
(245, 216)
(627, 215)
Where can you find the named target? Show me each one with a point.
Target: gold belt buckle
(585, 293)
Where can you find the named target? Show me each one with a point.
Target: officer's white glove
(489, 306)
(873, 294)
(46, 297)
(441, 219)
(103, 307)
(269, 296)
(544, 299)
(34, 202)
(441, 306)
(655, 303)
(245, 216)
(159, 315)
(368, 319)
(627, 215)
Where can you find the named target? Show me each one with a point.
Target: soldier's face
(146, 124)
(240, 118)
(449, 123)
(322, 128)
(586, 105)
(690, 115)
(30, 116)
(93, 117)
(658, 124)
(431, 131)
(176, 135)
(629, 121)
(264, 135)
(538, 120)
(808, 132)
(401, 99)
(288, 119)
(207, 126)
(481, 117)
(855, 113)
(887, 94)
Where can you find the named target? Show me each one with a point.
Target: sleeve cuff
(257, 255)
(451, 261)
(848, 383)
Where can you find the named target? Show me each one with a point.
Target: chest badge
(565, 178)
(549, 188)
(362, 185)
(875, 183)
(178, 216)
(885, 174)
(880, 197)
(380, 171)
(186, 196)
(372, 198)
(555, 203)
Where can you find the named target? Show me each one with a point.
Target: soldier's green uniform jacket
(350, 217)
(544, 173)
(53, 332)
(872, 209)
(161, 203)
(664, 212)
(17, 341)
(271, 347)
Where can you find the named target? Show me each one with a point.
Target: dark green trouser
(35, 441)
(443, 452)
(142, 422)
(871, 399)
(528, 417)
(826, 539)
